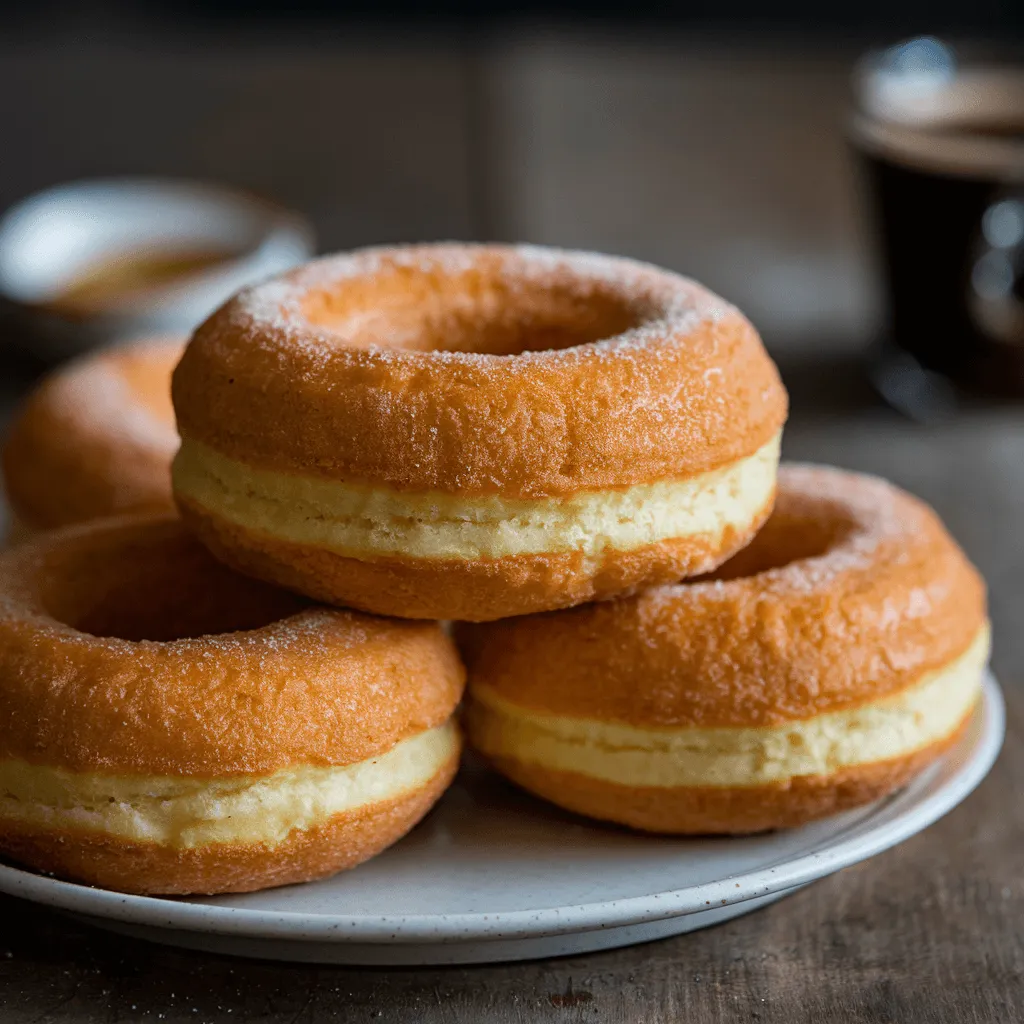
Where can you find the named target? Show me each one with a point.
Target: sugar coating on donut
(274, 309)
(827, 663)
(550, 427)
(95, 438)
(130, 628)
(852, 590)
(170, 726)
(894, 726)
(869, 513)
(600, 373)
(102, 401)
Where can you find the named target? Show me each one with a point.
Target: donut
(172, 727)
(472, 432)
(95, 438)
(821, 668)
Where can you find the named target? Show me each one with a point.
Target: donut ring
(94, 439)
(249, 740)
(439, 432)
(821, 668)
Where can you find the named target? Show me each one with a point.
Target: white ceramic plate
(493, 874)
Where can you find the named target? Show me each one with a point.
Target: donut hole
(154, 582)
(486, 310)
(789, 536)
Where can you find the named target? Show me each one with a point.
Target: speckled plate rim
(889, 823)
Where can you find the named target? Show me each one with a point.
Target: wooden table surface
(931, 931)
(603, 146)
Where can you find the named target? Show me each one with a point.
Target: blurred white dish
(494, 874)
(52, 241)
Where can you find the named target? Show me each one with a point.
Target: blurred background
(710, 138)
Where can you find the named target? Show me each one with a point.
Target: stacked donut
(573, 456)
(94, 439)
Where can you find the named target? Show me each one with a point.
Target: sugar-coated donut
(821, 668)
(171, 727)
(471, 432)
(96, 438)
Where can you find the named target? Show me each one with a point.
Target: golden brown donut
(822, 667)
(470, 432)
(95, 438)
(171, 727)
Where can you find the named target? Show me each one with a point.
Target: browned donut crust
(853, 590)
(724, 810)
(820, 668)
(345, 840)
(468, 590)
(258, 680)
(478, 370)
(95, 438)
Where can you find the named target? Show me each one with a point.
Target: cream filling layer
(361, 520)
(922, 714)
(184, 813)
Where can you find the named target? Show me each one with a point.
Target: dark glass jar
(940, 132)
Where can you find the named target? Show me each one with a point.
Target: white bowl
(50, 239)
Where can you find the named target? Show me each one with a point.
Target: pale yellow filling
(897, 725)
(183, 813)
(360, 520)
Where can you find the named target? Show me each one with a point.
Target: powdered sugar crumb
(271, 313)
(879, 515)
